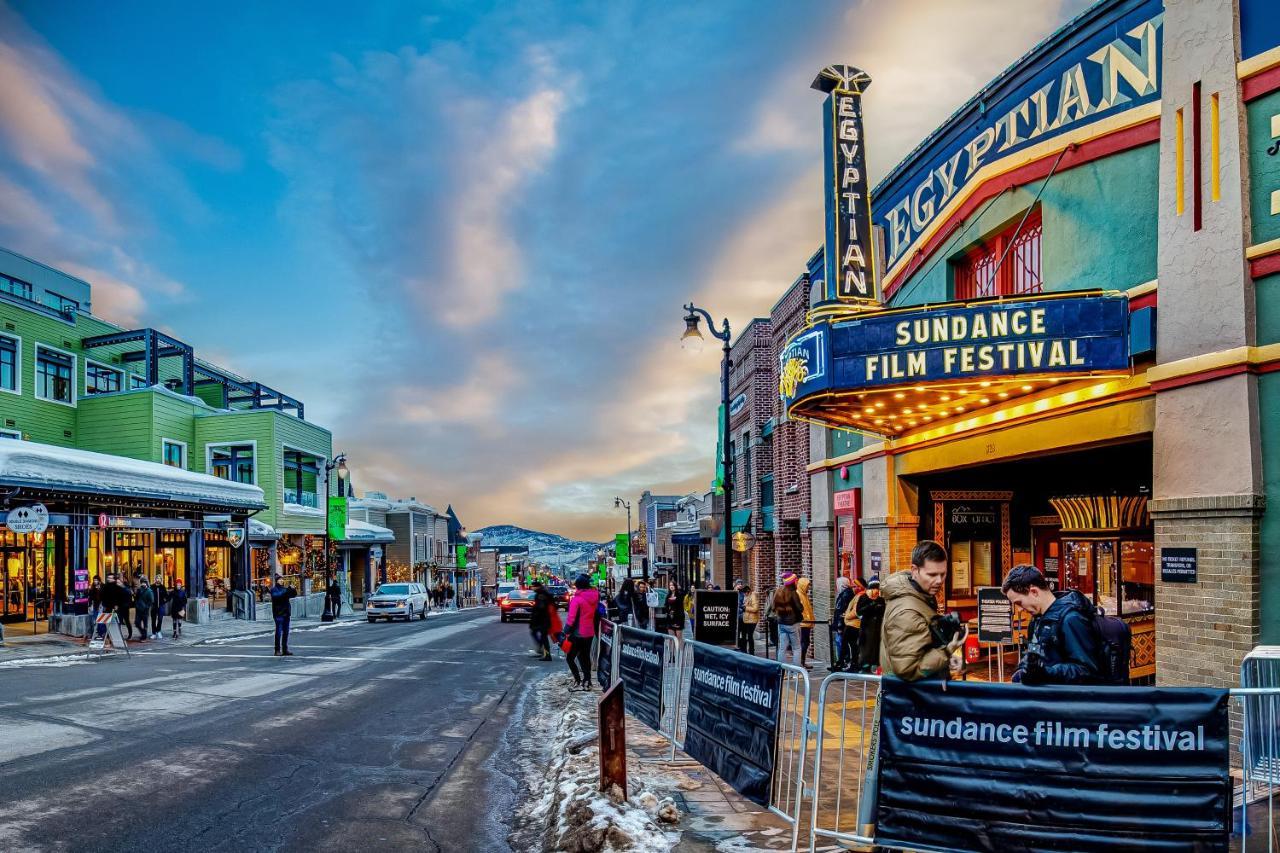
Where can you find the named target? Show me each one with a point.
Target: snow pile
(56, 660)
(566, 805)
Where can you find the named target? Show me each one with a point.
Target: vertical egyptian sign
(850, 254)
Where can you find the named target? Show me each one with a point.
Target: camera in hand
(945, 628)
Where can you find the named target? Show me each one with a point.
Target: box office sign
(734, 701)
(1067, 335)
(995, 767)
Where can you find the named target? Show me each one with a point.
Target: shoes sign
(28, 519)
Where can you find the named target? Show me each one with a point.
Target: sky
(462, 232)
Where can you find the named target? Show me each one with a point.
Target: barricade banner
(734, 703)
(641, 659)
(973, 766)
(604, 660)
(715, 616)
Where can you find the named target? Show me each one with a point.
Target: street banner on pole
(337, 517)
(715, 616)
(995, 767)
(641, 660)
(622, 549)
(604, 659)
(734, 702)
(461, 556)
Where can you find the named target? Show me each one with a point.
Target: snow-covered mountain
(549, 548)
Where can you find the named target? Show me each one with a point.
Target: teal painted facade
(1264, 168)
(137, 422)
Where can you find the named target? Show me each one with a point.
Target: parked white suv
(397, 600)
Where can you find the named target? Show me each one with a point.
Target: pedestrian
(787, 610)
(143, 601)
(625, 600)
(158, 610)
(95, 607)
(177, 606)
(640, 606)
(124, 600)
(843, 637)
(580, 629)
(740, 643)
(750, 619)
(869, 608)
(334, 591)
(540, 621)
(1063, 642)
(806, 620)
(675, 611)
(909, 648)
(281, 607)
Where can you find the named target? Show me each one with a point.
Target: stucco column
(1207, 480)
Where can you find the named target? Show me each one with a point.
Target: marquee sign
(850, 256)
(1101, 66)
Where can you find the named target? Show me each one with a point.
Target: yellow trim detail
(1213, 361)
(1257, 64)
(1215, 183)
(1261, 250)
(1142, 289)
(1180, 164)
(847, 458)
(1129, 118)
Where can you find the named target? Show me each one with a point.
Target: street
(374, 735)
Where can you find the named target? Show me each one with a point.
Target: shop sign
(102, 519)
(877, 560)
(802, 364)
(1099, 70)
(850, 256)
(1178, 565)
(28, 519)
(846, 501)
(739, 403)
(1066, 335)
(995, 616)
(375, 553)
(965, 515)
(235, 536)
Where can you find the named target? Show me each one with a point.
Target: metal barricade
(844, 772)
(670, 664)
(1256, 721)
(598, 644)
(791, 745)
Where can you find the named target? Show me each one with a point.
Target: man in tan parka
(907, 647)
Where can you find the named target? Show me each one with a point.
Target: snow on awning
(261, 530)
(363, 531)
(45, 466)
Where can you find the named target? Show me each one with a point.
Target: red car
(518, 604)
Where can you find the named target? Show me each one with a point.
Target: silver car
(397, 601)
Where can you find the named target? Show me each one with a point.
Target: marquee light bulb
(1026, 387)
(986, 384)
(880, 404)
(899, 396)
(985, 400)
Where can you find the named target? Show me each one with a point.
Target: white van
(397, 600)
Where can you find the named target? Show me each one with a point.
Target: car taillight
(506, 603)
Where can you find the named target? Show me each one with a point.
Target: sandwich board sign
(110, 632)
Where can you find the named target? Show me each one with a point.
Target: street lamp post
(340, 463)
(692, 341)
(618, 503)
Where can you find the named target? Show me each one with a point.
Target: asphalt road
(386, 737)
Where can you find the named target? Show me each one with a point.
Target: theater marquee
(917, 365)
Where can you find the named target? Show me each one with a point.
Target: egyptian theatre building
(1053, 332)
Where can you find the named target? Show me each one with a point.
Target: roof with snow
(261, 530)
(28, 464)
(363, 531)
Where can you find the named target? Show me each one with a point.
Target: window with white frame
(173, 453)
(233, 462)
(100, 379)
(55, 375)
(10, 347)
(136, 382)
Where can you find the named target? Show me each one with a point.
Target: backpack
(851, 617)
(1117, 641)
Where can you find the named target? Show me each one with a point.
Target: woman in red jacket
(580, 628)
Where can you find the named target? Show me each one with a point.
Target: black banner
(641, 658)
(715, 616)
(734, 701)
(604, 659)
(993, 767)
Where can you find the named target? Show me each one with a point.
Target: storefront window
(1137, 566)
(217, 565)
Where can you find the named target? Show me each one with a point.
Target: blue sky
(462, 232)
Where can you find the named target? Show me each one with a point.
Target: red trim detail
(1197, 378)
(1146, 300)
(1260, 84)
(1269, 367)
(1265, 265)
(1196, 179)
(1084, 152)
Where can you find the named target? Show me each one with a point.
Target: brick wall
(754, 375)
(1204, 629)
(793, 548)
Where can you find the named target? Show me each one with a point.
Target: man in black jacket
(1063, 646)
(158, 608)
(540, 620)
(281, 606)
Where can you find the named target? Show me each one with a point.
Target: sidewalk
(54, 648)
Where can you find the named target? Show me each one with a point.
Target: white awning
(362, 531)
(45, 466)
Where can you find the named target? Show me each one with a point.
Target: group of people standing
(441, 594)
(855, 625)
(574, 634)
(150, 602)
